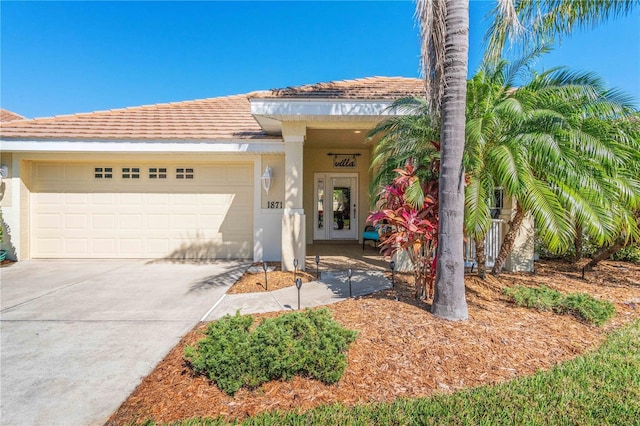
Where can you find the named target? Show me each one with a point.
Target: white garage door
(150, 211)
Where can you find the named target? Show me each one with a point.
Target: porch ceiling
(338, 138)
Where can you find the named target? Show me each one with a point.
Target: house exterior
(256, 176)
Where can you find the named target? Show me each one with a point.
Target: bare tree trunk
(509, 239)
(449, 300)
(481, 257)
(577, 244)
(605, 253)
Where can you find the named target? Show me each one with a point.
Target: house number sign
(274, 204)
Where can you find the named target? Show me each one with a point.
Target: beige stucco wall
(5, 187)
(275, 198)
(316, 160)
(268, 221)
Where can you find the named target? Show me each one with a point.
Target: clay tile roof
(6, 115)
(223, 118)
(215, 118)
(380, 88)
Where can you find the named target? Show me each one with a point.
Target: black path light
(349, 274)
(266, 284)
(392, 265)
(299, 286)
(317, 266)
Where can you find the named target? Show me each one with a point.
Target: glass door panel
(320, 204)
(319, 227)
(343, 207)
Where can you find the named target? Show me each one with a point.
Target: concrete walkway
(330, 288)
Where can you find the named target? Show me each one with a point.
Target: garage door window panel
(131, 173)
(157, 172)
(103, 172)
(184, 173)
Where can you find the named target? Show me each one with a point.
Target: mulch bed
(6, 263)
(404, 351)
(254, 282)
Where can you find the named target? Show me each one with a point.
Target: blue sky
(67, 57)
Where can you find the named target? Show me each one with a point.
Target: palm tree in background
(409, 134)
(555, 146)
(444, 28)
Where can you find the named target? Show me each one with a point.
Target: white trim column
(293, 218)
(14, 202)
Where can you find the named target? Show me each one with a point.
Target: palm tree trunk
(509, 239)
(605, 253)
(449, 300)
(577, 244)
(481, 257)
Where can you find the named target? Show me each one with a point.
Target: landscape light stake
(266, 284)
(583, 272)
(349, 274)
(392, 265)
(295, 268)
(317, 266)
(298, 285)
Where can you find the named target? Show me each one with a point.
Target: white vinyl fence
(491, 248)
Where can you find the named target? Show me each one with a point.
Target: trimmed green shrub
(628, 254)
(542, 298)
(584, 306)
(309, 344)
(581, 305)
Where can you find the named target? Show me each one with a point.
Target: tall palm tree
(444, 27)
(534, 22)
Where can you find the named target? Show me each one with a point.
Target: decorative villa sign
(344, 161)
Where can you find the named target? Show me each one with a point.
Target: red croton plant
(407, 212)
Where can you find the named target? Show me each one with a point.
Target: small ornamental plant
(308, 344)
(409, 210)
(581, 305)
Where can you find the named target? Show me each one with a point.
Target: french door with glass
(335, 206)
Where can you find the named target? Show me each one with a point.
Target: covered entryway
(141, 210)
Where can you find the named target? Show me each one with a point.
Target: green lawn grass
(602, 387)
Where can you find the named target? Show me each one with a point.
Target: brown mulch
(6, 263)
(254, 282)
(404, 351)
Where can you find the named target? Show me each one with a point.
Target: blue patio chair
(372, 233)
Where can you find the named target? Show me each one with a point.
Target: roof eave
(271, 112)
(266, 145)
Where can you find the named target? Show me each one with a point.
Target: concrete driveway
(77, 336)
